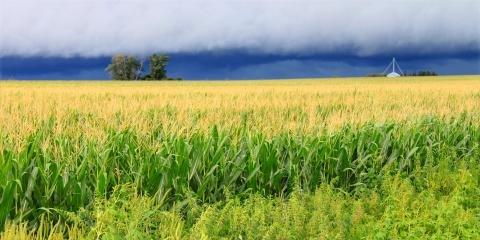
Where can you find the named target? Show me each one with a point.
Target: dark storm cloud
(235, 65)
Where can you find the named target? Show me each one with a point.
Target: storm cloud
(91, 28)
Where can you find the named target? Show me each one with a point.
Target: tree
(124, 67)
(158, 67)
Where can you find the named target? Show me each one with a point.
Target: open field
(298, 159)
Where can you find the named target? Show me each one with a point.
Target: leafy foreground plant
(394, 211)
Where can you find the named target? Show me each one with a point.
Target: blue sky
(239, 39)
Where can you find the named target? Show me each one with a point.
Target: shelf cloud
(91, 28)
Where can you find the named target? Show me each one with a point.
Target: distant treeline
(125, 67)
(422, 73)
(419, 73)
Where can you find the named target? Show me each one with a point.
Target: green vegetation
(396, 210)
(394, 180)
(130, 68)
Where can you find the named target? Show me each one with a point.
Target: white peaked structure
(394, 66)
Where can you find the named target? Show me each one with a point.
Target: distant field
(270, 107)
(352, 158)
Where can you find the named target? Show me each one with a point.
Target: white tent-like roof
(393, 74)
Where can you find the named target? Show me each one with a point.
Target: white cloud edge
(92, 28)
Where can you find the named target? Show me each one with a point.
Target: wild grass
(395, 210)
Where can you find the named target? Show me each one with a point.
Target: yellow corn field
(268, 106)
(282, 159)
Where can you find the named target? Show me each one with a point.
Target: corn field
(298, 159)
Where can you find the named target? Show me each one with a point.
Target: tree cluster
(125, 67)
(422, 73)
